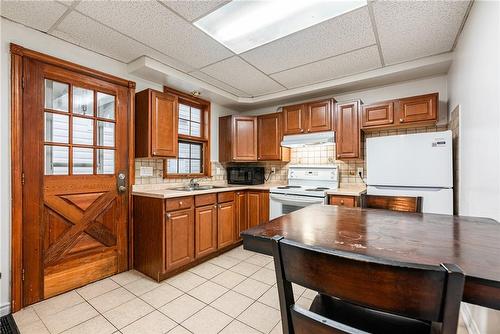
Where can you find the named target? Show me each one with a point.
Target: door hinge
(22, 275)
(22, 178)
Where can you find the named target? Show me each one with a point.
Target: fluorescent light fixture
(242, 25)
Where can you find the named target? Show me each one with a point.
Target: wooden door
(375, 115)
(75, 196)
(418, 109)
(179, 238)
(269, 132)
(348, 133)
(294, 119)
(319, 116)
(241, 208)
(205, 230)
(164, 119)
(244, 138)
(226, 224)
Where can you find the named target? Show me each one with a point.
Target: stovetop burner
(289, 187)
(317, 189)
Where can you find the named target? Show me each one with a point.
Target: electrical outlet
(273, 169)
(146, 171)
(359, 171)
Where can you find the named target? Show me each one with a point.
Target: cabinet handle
(215, 206)
(342, 202)
(180, 203)
(220, 206)
(401, 120)
(168, 215)
(301, 130)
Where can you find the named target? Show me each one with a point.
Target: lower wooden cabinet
(241, 208)
(205, 230)
(179, 238)
(226, 224)
(343, 200)
(258, 208)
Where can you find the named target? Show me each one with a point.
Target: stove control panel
(313, 173)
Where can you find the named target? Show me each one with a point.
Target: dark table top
(472, 243)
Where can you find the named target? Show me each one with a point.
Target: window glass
(56, 160)
(56, 95)
(83, 160)
(83, 101)
(189, 120)
(83, 131)
(105, 106)
(56, 128)
(189, 159)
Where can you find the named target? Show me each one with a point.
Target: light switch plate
(146, 171)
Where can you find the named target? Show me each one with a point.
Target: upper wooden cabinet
(156, 121)
(309, 117)
(348, 130)
(237, 138)
(407, 112)
(270, 134)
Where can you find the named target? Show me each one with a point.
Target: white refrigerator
(412, 165)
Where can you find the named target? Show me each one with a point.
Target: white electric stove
(307, 184)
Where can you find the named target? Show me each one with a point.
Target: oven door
(281, 204)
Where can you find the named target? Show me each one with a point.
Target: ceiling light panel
(244, 25)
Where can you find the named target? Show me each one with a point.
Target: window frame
(204, 139)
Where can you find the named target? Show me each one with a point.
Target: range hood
(301, 140)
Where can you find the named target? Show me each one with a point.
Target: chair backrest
(428, 293)
(394, 203)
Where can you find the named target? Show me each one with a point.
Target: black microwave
(245, 175)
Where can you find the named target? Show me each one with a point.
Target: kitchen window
(193, 158)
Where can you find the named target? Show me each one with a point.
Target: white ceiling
(381, 34)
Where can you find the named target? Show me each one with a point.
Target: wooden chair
(361, 294)
(394, 203)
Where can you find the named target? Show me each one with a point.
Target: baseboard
(4, 309)
(469, 320)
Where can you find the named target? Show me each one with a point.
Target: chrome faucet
(193, 183)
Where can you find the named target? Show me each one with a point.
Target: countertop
(348, 190)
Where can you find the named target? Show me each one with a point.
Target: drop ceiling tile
(414, 29)
(341, 34)
(158, 27)
(237, 73)
(40, 15)
(331, 68)
(192, 10)
(217, 83)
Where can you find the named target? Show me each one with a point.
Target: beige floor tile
(278, 329)
(208, 292)
(161, 295)
(270, 298)
(70, 317)
(127, 313)
(259, 259)
(228, 279)
(304, 302)
(245, 268)
(265, 276)
(111, 299)
(270, 266)
(153, 323)
(239, 253)
(308, 293)
(207, 270)
(236, 327)
(297, 290)
(58, 303)
(186, 281)
(25, 316)
(34, 327)
(462, 330)
(97, 325)
(141, 286)
(251, 288)
(180, 330)
(232, 303)
(127, 277)
(97, 288)
(207, 321)
(182, 308)
(260, 316)
(224, 261)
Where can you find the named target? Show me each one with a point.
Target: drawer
(227, 196)
(179, 203)
(349, 201)
(206, 199)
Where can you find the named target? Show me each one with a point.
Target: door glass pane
(56, 128)
(56, 95)
(105, 106)
(183, 127)
(83, 101)
(83, 131)
(56, 160)
(105, 133)
(105, 161)
(83, 160)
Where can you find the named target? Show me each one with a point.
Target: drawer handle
(342, 201)
(401, 120)
(215, 206)
(168, 215)
(180, 203)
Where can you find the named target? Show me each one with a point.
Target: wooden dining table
(471, 243)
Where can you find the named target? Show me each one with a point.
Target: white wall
(35, 40)
(474, 84)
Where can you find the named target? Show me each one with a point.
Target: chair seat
(365, 319)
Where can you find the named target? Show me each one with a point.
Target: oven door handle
(297, 200)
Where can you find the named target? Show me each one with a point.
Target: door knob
(122, 189)
(121, 182)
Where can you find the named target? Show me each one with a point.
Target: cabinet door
(241, 207)
(293, 119)
(226, 224)
(205, 230)
(379, 114)
(244, 139)
(319, 116)
(254, 214)
(179, 239)
(348, 132)
(264, 207)
(418, 109)
(269, 134)
(164, 120)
